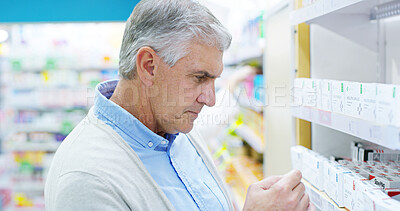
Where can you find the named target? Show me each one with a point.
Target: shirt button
(150, 144)
(163, 142)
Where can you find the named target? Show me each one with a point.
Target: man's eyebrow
(206, 74)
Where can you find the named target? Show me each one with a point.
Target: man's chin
(186, 128)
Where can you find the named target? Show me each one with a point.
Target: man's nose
(207, 95)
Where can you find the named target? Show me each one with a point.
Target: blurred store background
(52, 55)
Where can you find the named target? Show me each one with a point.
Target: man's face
(185, 88)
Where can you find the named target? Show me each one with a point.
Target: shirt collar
(125, 121)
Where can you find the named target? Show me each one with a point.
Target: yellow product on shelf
(247, 171)
(21, 200)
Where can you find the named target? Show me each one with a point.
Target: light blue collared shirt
(173, 162)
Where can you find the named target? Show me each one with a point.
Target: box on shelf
(361, 187)
(297, 153)
(338, 97)
(313, 169)
(349, 192)
(387, 205)
(372, 198)
(368, 101)
(388, 102)
(326, 95)
(385, 181)
(394, 193)
(310, 92)
(318, 83)
(352, 99)
(298, 92)
(336, 184)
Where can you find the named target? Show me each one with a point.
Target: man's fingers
(290, 180)
(299, 190)
(304, 202)
(311, 207)
(269, 181)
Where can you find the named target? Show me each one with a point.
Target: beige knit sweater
(95, 169)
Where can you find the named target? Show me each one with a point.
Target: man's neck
(131, 96)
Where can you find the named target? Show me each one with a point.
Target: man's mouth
(193, 113)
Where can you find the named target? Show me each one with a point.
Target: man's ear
(146, 64)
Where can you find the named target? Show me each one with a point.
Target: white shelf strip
(318, 9)
(22, 147)
(383, 135)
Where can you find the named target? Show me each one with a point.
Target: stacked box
(357, 170)
(326, 95)
(298, 92)
(312, 169)
(388, 102)
(372, 197)
(352, 99)
(386, 181)
(387, 205)
(338, 97)
(368, 101)
(336, 184)
(297, 153)
(394, 193)
(310, 92)
(328, 164)
(360, 187)
(318, 88)
(349, 194)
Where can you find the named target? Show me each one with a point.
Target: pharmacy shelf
(320, 199)
(28, 186)
(88, 69)
(383, 135)
(250, 137)
(349, 18)
(32, 147)
(49, 108)
(320, 9)
(246, 176)
(34, 127)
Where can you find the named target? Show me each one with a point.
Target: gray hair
(168, 27)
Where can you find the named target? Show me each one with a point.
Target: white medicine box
(368, 101)
(338, 99)
(388, 103)
(310, 92)
(326, 95)
(352, 99)
(298, 92)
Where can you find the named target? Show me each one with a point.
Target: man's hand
(278, 193)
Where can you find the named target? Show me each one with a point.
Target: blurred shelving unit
(345, 40)
(48, 76)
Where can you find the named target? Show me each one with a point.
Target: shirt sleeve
(84, 191)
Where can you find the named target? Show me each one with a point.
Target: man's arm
(84, 191)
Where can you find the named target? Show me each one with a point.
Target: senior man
(136, 150)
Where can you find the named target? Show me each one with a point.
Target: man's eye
(200, 78)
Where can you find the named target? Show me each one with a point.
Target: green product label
(341, 84)
(16, 65)
(313, 84)
(329, 86)
(66, 127)
(360, 88)
(394, 92)
(50, 64)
